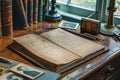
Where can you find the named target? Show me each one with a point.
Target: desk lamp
(53, 15)
(109, 28)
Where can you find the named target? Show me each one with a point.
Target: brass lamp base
(108, 30)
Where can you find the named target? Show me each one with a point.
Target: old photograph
(3, 69)
(27, 71)
(69, 25)
(11, 76)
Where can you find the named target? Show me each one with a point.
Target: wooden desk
(95, 67)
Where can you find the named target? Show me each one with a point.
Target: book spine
(25, 6)
(19, 17)
(40, 10)
(6, 17)
(45, 7)
(0, 21)
(35, 11)
(30, 12)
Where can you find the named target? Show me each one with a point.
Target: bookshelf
(6, 17)
(20, 14)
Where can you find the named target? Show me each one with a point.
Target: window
(88, 8)
(78, 7)
(117, 12)
(89, 4)
(64, 1)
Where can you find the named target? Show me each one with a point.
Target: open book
(56, 49)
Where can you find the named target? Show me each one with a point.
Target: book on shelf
(0, 22)
(40, 10)
(6, 17)
(19, 15)
(56, 50)
(25, 7)
(45, 7)
(30, 12)
(35, 11)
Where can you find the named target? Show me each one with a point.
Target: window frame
(99, 13)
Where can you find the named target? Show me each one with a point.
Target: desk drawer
(107, 72)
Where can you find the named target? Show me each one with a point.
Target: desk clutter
(48, 35)
(18, 71)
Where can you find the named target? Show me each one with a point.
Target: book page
(76, 44)
(46, 49)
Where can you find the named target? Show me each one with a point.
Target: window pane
(64, 1)
(117, 5)
(89, 4)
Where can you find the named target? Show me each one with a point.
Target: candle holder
(53, 15)
(109, 28)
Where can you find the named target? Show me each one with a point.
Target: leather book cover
(45, 7)
(0, 22)
(25, 7)
(30, 12)
(19, 15)
(40, 10)
(6, 17)
(35, 11)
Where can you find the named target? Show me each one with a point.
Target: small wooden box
(91, 26)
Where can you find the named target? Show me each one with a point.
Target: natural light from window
(117, 5)
(86, 4)
(90, 4)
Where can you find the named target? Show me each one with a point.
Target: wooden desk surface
(93, 64)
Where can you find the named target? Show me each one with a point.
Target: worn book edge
(59, 69)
